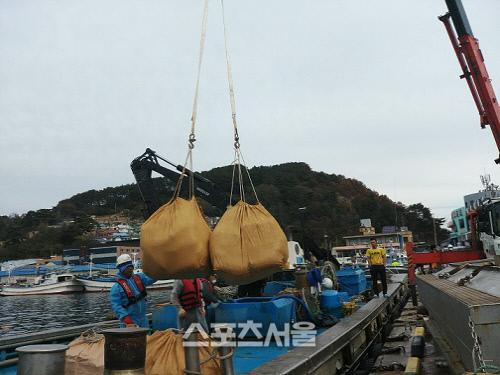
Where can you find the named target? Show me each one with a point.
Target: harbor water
(29, 314)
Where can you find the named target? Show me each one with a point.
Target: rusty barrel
(125, 351)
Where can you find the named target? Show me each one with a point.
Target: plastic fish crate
(165, 317)
(352, 280)
(331, 302)
(262, 310)
(272, 288)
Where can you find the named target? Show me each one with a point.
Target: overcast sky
(367, 89)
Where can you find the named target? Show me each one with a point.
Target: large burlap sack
(174, 241)
(85, 357)
(247, 244)
(165, 356)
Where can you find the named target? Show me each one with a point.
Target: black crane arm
(143, 167)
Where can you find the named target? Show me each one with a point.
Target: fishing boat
(104, 284)
(342, 346)
(64, 283)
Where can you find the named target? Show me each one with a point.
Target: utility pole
(435, 232)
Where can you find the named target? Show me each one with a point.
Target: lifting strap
(192, 136)
(238, 156)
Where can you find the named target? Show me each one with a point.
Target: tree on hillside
(334, 206)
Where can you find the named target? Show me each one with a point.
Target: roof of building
(379, 234)
(349, 248)
(357, 247)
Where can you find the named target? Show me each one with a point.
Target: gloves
(128, 320)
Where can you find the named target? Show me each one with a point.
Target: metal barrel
(41, 359)
(191, 354)
(125, 351)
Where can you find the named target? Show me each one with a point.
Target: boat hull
(65, 287)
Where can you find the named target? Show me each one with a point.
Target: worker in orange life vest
(128, 294)
(188, 294)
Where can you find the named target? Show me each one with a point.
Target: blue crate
(351, 280)
(354, 288)
(331, 302)
(165, 317)
(262, 310)
(336, 312)
(272, 288)
(331, 299)
(351, 274)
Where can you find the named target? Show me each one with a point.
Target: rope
(192, 134)
(92, 335)
(238, 159)
(212, 356)
(192, 138)
(226, 292)
(226, 356)
(249, 177)
(230, 79)
(232, 179)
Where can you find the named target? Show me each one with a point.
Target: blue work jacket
(119, 301)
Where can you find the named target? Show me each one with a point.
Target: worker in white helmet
(128, 295)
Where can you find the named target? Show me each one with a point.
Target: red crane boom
(474, 70)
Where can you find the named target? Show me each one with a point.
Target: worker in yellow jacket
(376, 261)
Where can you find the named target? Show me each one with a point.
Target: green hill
(334, 205)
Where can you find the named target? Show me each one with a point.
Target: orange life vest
(191, 296)
(132, 299)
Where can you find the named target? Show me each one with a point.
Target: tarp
(174, 242)
(247, 244)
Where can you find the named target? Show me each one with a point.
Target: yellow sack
(247, 244)
(165, 356)
(174, 241)
(85, 357)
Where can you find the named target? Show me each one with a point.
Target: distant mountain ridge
(334, 205)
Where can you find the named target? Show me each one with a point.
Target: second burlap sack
(247, 245)
(165, 355)
(174, 242)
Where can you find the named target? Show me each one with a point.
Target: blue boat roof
(31, 271)
(79, 268)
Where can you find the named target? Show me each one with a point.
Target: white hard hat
(327, 283)
(124, 258)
